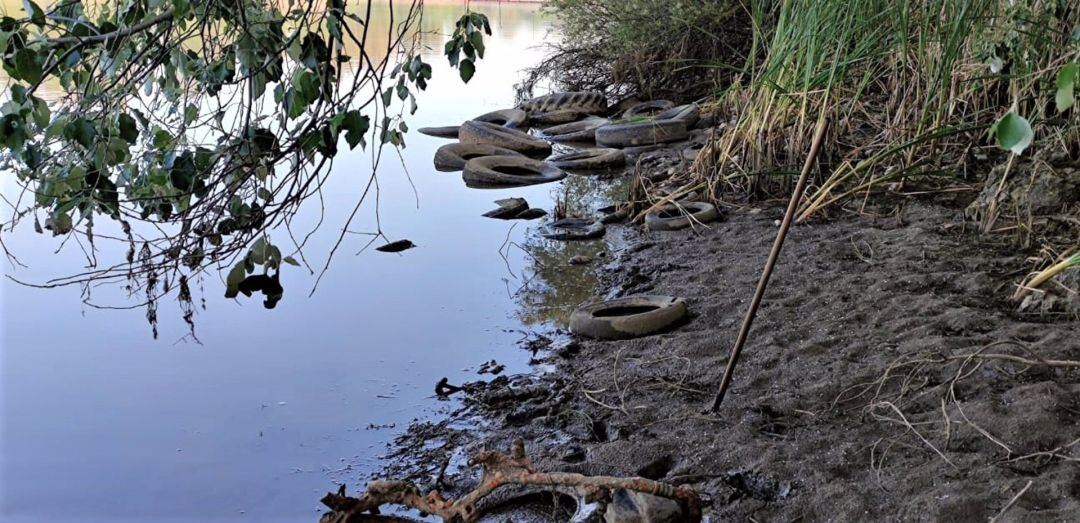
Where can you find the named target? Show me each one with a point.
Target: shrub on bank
(652, 48)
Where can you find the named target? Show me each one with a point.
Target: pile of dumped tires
(495, 150)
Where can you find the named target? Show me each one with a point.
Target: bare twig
(498, 470)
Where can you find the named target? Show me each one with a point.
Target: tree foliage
(197, 128)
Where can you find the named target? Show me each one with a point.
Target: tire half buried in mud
(598, 159)
(573, 229)
(534, 507)
(689, 113)
(627, 317)
(672, 217)
(648, 132)
(651, 109)
(453, 156)
(489, 133)
(494, 172)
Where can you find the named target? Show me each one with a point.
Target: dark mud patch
(846, 404)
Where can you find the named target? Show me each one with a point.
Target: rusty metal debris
(498, 470)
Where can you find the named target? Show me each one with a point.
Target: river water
(100, 422)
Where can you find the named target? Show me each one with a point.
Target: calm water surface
(102, 423)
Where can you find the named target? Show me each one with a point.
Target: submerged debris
(398, 246)
(514, 469)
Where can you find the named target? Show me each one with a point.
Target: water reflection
(555, 286)
(279, 405)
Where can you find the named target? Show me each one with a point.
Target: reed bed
(913, 89)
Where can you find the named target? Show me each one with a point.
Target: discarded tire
(589, 160)
(583, 102)
(571, 229)
(673, 217)
(688, 114)
(556, 117)
(580, 131)
(510, 118)
(508, 208)
(627, 317)
(449, 131)
(649, 132)
(491, 172)
(536, 507)
(648, 109)
(452, 156)
(489, 133)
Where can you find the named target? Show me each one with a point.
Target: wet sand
(856, 398)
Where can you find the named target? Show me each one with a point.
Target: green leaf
(232, 282)
(1066, 82)
(28, 65)
(129, 129)
(467, 69)
(387, 96)
(477, 41)
(182, 174)
(1013, 133)
(291, 261)
(259, 251)
(356, 126)
(82, 131)
(42, 113)
(37, 16)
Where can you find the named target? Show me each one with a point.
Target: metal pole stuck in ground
(744, 331)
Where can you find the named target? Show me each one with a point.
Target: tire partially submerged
(627, 317)
(598, 159)
(509, 118)
(453, 156)
(493, 172)
(672, 217)
(572, 229)
(648, 132)
(489, 133)
(449, 131)
(580, 131)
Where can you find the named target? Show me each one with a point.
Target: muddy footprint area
(886, 377)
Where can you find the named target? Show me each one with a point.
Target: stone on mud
(628, 506)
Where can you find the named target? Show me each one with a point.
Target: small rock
(508, 209)
(628, 506)
(580, 260)
(567, 349)
(574, 454)
(531, 214)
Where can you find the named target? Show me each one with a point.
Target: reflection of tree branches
(196, 129)
(554, 287)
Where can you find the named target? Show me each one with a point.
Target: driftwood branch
(498, 470)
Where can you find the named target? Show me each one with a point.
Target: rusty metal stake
(744, 331)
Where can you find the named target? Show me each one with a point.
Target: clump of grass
(912, 87)
(1069, 260)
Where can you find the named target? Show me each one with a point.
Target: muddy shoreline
(857, 396)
